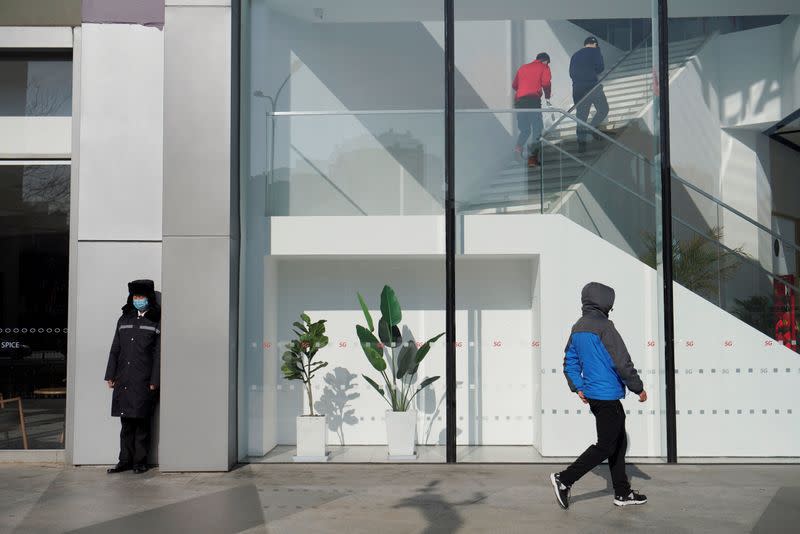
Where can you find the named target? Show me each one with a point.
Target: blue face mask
(140, 304)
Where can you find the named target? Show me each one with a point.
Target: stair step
(628, 90)
(632, 70)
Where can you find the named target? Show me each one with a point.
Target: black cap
(590, 40)
(144, 288)
(543, 56)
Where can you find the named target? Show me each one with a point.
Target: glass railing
(392, 163)
(719, 252)
(352, 163)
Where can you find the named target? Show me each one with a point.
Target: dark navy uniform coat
(134, 361)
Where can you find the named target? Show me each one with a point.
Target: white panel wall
(121, 134)
(116, 212)
(566, 428)
(35, 137)
(494, 348)
(790, 45)
(35, 37)
(735, 386)
(525, 340)
(750, 95)
(103, 272)
(709, 339)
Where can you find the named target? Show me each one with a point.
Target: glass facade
(342, 196)
(345, 188)
(545, 187)
(34, 238)
(735, 242)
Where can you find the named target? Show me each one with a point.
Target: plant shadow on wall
(699, 263)
(334, 400)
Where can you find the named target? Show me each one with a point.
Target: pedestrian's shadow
(633, 472)
(441, 515)
(334, 399)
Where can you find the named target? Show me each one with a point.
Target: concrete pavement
(389, 499)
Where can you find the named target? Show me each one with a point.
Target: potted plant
(299, 364)
(397, 362)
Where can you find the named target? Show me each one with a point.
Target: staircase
(628, 88)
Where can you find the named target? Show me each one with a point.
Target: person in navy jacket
(133, 372)
(584, 67)
(598, 368)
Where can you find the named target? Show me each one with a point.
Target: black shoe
(632, 498)
(140, 468)
(119, 468)
(561, 491)
(581, 147)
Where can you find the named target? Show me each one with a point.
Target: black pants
(597, 98)
(611, 444)
(134, 440)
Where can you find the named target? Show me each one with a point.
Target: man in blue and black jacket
(598, 368)
(584, 68)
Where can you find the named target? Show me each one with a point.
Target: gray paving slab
(388, 499)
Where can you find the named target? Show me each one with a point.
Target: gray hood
(597, 297)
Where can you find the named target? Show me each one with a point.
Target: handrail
(565, 114)
(674, 217)
(734, 211)
(319, 171)
(601, 80)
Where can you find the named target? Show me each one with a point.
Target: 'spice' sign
(10, 345)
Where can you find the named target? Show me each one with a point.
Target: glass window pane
(556, 186)
(35, 87)
(34, 239)
(342, 195)
(736, 243)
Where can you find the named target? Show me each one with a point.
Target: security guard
(133, 373)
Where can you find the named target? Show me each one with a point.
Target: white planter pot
(401, 434)
(312, 434)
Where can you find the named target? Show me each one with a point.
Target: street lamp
(273, 102)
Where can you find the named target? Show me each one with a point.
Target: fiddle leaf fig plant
(298, 361)
(395, 360)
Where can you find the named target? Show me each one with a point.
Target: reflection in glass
(540, 221)
(35, 87)
(342, 192)
(735, 233)
(34, 239)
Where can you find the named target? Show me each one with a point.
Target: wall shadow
(338, 392)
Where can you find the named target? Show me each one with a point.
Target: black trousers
(597, 98)
(612, 443)
(134, 440)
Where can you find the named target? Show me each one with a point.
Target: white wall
(790, 45)
(718, 111)
(104, 268)
(521, 324)
(116, 212)
(35, 137)
(122, 72)
(707, 338)
(496, 399)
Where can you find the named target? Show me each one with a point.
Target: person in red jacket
(531, 83)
